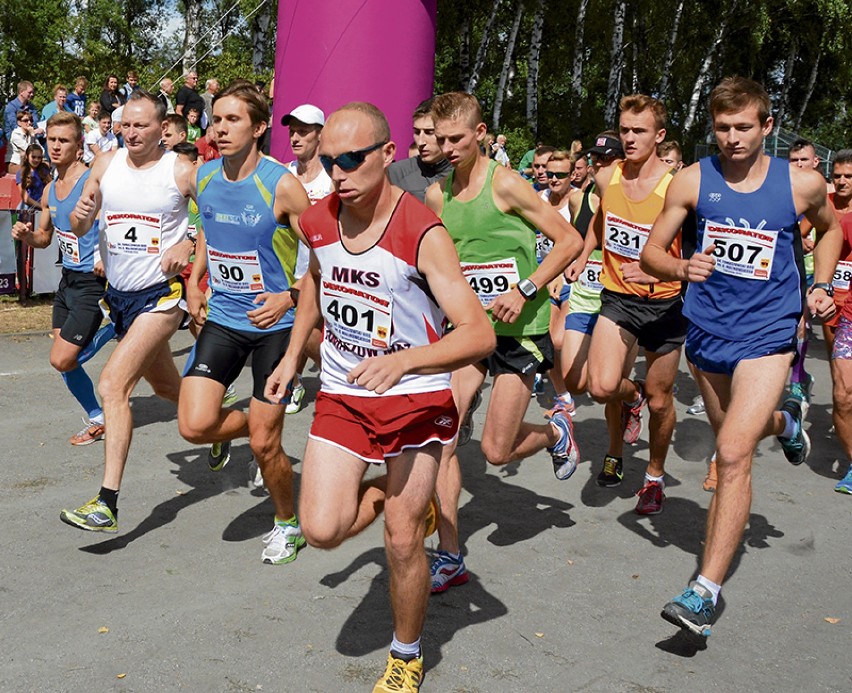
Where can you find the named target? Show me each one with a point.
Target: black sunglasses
(561, 175)
(348, 161)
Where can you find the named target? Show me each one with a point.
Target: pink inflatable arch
(331, 52)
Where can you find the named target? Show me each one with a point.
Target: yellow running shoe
(94, 516)
(401, 676)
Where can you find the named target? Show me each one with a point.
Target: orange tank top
(627, 224)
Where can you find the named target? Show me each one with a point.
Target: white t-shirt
(316, 189)
(104, 143)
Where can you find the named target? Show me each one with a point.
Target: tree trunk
(577, 70)
(669, 59)
(617, 63)
(532, 70)
(809, 90)
(260, 37)
(190, 36)
(483, 48)
(786, 79)
(464, 53)
(507, 66)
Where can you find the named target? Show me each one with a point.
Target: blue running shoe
(802, 392)
(845, 484)
(564, 453)
(692, 611)
(797, 448)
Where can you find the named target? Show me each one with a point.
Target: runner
(383, 276)
(841, 357)
(636, 308)
(249, 205)
(141, 193)
(744, 302)
(492, 215)
(77, 316)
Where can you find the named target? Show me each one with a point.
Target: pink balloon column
(331, 52)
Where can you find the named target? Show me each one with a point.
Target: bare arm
(89, 204)
(435, 196)
(38, 238)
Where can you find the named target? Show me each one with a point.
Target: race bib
(357, 316)
(625, 238)
(842, 276)
(69, 244)
(132, 233)
(491, 279)
(543, 245)
(236, 273)
(590, 279)
(745, 253)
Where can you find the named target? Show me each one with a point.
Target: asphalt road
(567, 588)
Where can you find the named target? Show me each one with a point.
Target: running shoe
(230, 396)
(281, 544)
(466, 427)
(219, 455)
(797, 448)
(631, 417)
(433, 516)
(401, 676)
(447, 572)
(88, 435)
(845, 484)
(697, 406)
(562, 403)
(94, 516)
(564, 453)
(802, 392)
(255, 476)
(297, 397)
(692, 611)
(538, 386)
(710, 480)
(611, 474)
(651, 499)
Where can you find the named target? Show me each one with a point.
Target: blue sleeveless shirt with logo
(78, 254)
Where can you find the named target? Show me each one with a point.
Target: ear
(388, 152)
(259, 129)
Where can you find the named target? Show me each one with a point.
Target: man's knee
(63, 362)
(733, 458)
(496, 453)
(113, 388)
(402, 539)
(601, 388)
(195, 426)
(660, 403)
(321, 532)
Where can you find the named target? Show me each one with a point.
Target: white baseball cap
(306, 113)
(116, 114)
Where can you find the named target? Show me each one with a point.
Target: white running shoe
(255, 477)
(230, 396)
(294, 406)
(282, 543)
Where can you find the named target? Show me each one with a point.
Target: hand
(85, 207)
(555, 288)
(273, 309)
(378, 373)
(701, 265)
(633, 273)
(575, 269)
(196, 304)
(507, 307)
(278, 383)
(22, 231)
(98, 269)
(176, 258)
(808, 245)
(821, 304)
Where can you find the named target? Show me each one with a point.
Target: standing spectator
(130, 86)
(212, 88)
(193, 125)
(187, 97)
(116, 127)
(208, 148)
(90, 122)
(174, 131)
(20, 139)
(99, 141)
(77, 99)
(59, 103)
(500, 154)
(33, 176)
(110, 96)
(167, 88)
(22, 103)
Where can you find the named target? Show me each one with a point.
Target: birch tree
(668, 60)
(613, 87)
(533, 62)
(579, 57)
(507, 66)
(483, 48)
(190, 36)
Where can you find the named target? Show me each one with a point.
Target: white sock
(712, 587)
(659, 479)
(407, 650)
(99, 420)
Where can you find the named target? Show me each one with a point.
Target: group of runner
(606, 252)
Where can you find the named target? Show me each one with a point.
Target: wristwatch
(294, 294)
(528, 289)
(825, 286)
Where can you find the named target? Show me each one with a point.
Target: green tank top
(496, 249)
(586, 291)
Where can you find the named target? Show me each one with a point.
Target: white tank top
(316, 189)
(143, 214)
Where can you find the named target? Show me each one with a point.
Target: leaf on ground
(635, 577)
(539, 635)
(831, 620)
(103, 629)
(120, 676)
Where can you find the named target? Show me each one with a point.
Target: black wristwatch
(528, 289)
(294, 294)
(825, 286)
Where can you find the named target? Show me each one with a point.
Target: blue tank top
(248, 251)
(758, 280)
(78, 254)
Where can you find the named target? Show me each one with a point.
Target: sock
(102, 336)
(659, 479)
(293, 522)
(96, 418)
(110, 497)
(565, 397)
(799, 374)
(789, 426)
(80, 385)
(712, 587)
(640, 397)
(405, 651)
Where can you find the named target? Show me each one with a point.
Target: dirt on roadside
(34, 317)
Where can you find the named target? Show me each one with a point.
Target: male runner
(76, 313)
(670, 154)
(743, 303)
(635, 308)
(492, 215)
(841, 204)
(841, 356)
(249, 205)
(384, 278)
(141, 192)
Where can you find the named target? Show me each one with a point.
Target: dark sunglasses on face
(560, 175)
(348, 161)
